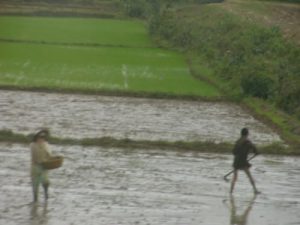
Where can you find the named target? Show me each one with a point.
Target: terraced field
(103, 185)
(75, 30)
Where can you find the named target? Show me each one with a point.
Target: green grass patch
(286, 125)
(75, 30)
(91, 55)
(102, 68)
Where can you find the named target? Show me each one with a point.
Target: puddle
(80, 116)
(115, 186)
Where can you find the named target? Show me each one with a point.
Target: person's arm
(235, 149)
(33, 156)
(253, 148)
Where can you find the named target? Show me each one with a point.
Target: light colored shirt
(39, 153)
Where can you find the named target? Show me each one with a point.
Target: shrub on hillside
(253, 59)
(135, 8)
(257, 86)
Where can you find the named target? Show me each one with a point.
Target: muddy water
(99, 186)
(78, 116)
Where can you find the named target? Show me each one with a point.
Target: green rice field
(90, 54)
(75, 30)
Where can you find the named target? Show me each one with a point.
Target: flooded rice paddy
(80, 116)
(99, 186)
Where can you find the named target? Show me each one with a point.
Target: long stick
(225, 177)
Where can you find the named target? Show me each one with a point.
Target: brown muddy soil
(80, 116)
(98, 186)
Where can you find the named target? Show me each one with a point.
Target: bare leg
(247, 171)
(35, 188)
(235, 175)
(46, 183)
(46, 187)
(35, 194)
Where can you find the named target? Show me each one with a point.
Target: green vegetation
(246, 59)
(115, 57)
(253, 60)
(237, 48)
(287, 126)
(104, 68)
(75, 31)
(248, 49)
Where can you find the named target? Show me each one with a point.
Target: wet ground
(115, 186)
(79, 116)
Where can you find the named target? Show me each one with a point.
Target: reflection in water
(39, 217)
(240, 219)
(147, 187)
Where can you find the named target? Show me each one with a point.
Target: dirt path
(115, 186)
(79, 116)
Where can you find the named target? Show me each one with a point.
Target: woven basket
(54, 163)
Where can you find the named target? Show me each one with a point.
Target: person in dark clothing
(242, 148)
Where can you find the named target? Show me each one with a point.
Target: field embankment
(118, 58)
(62, 8)
(132, 122)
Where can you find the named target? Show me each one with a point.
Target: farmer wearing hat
(242, 148)
(39, 154)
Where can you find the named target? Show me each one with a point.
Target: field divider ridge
(77, 44)
(7, 136)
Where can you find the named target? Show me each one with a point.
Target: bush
(135, 8)
(290, 103)
(257, 86)
(253, 60)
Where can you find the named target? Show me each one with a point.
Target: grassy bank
(8, 136)
(287, 126)
(251, 62)
(118, 93)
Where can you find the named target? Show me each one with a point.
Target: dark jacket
(242, 148)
